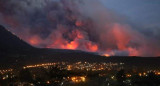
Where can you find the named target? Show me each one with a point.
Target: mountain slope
(11, 43)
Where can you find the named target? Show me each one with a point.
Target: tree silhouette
(1, 80)
(121, 77)
(57, 73)
(152, 79)
(25, 76)
(137, 80)
(41, 75)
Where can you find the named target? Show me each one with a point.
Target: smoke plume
(75, 24)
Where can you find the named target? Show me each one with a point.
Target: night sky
(143, 13)
(108, 27)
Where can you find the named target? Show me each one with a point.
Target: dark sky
(142, 12)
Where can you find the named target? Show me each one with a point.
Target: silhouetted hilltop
(10, 43)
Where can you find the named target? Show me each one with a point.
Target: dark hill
(10, 43)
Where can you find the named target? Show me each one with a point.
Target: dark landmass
(14, 52)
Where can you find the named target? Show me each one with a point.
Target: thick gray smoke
(74, 24)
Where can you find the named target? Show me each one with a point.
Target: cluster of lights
(157, 73)
(128, 75)
(145, 74)
(78, 79)
(39, 65)
(5, 71)
(77, 66)
(91, 66)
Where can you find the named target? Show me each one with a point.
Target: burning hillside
(74, 24)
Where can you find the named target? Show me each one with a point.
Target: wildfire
(77, 34)
(78, 27)
(72, 45)
(92, 47)
(80, 40)
(121, 36)
(133, 52)
(107, 55)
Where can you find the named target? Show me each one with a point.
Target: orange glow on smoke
(92, 47)
(78, 23)
(119, 34)
(62, 44)
(107, 55)
(34, 40)
(122, 37)
(133, 52)
(93, 30)
(77, 34)
(72, 45)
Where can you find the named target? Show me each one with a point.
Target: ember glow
(107, 55)
(76, 25)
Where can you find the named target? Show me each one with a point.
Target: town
(76, 74)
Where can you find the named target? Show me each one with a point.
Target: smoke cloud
(75, 24)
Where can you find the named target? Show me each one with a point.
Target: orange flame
(107, 55)
(92, 47)
(72, 45)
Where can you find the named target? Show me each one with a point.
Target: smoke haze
(75, 24)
